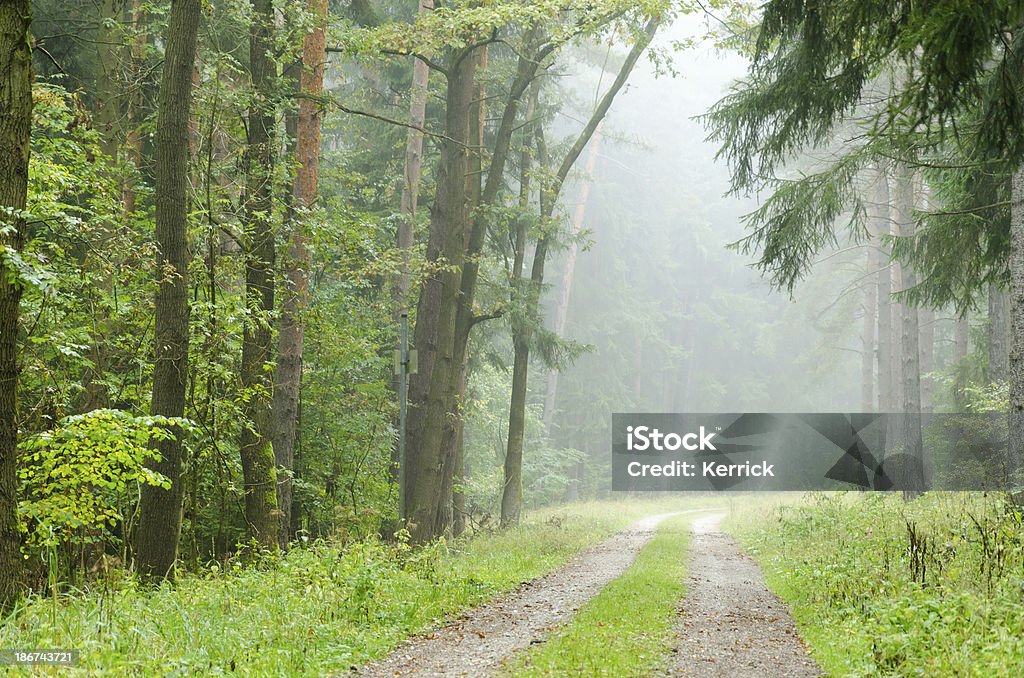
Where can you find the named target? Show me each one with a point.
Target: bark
(998, 333)
(512, 493)
(517, 409)
(15, 129)
(565, 291)
(1016, 358)
(432, 415)
(879, 216)
(434, 334)
(926, 318)
(288, 379)
(474, 188)
(406, 232)
(909, 475)
(160, 510)
(107, 109)
(867, 362)
(106, 114)
(262, 515)
(133, 137)
(411, 174)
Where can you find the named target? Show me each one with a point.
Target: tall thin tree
(160, 510)
(258, 464)
(15, 129)
(296, 265)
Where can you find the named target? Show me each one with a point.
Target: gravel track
(478, 642)
(730, 623)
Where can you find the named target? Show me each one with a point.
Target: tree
(160, 509)
(258, 464)
(550, 190)
(297, 263)
(15, 129)
(813, 65)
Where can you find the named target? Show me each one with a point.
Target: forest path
(477, 643)
(730, 623)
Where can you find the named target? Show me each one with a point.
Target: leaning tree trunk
(258, 464)
(1016, 358)
(480, 197)
(512, 492)
(296, 291)
(15, 129)
(160, 510)
(565, 292)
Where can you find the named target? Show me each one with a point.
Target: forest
(319, 318)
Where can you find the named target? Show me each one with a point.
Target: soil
(730, 623)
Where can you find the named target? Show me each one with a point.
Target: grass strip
(627, 629)
(313, 611)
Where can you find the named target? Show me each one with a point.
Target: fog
(675, 320)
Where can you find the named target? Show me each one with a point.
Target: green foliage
(883, 587)
(78, 477)
(319, 609)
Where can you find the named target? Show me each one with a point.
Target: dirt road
(730, 623)
(476, 644)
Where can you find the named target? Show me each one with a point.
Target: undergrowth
(880, 586)
(315, 610)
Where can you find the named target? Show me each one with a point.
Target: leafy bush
(76, 479)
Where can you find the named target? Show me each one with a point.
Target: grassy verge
(315, 610)
(880, 586)
(626, 629)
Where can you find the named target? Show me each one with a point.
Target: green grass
(869, 600)
(315, 610)
(626, 629)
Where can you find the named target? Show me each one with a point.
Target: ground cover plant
(880, 586)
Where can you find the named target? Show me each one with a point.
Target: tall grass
(316, 610)
(880, 586)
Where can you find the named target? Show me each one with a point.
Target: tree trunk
(296, 291)
(926, 317)
(998, 333)
(262, 515)
(411, 175)
(15, 130)
(879, 216)
(961, 337)
(133, 136)
(406, 232)
(160, 510)
(562, 309)
(911, 472)
(1016, 358)
(434, 334)
(867, 356)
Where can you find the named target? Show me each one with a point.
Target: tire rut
(730, 623)
(478, 642)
